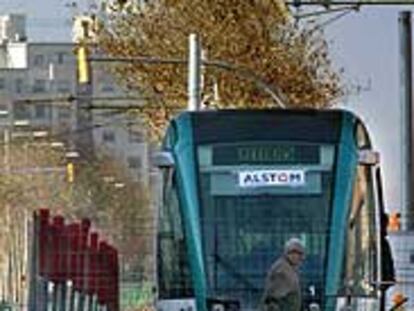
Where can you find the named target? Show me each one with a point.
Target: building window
(4, 107)
(21, 112)
(39, 86)
(64, 113)
(63, 86)
(2, 83)
(106, 84)
(107, 88)
(38, 60)
(61, 57)
(108, 136)
(135, 135)
(18, 83)
(134, 162)
(40, 111)
(412, 258)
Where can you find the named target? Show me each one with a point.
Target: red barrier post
(114, 278)
(93, 265)
(83, 251)
(43, 242)
(73, 231)
(102, 274)
(57, 275)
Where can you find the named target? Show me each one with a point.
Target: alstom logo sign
(267, 178)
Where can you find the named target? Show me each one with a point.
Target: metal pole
(157, 201)
(84, 120)
(194, 72)
(62, 296)
(34, 264)
(84, 91)
(407, 117)
(55, 296)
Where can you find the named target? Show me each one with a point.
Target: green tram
(238, 183)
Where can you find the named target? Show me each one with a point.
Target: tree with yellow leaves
(257, 36)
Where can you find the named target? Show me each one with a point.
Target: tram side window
(173, 267)
(360, 263)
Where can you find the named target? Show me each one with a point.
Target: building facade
(38, 88)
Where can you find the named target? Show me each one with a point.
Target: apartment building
(36, 81)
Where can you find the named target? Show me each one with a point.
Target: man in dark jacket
(282, 287)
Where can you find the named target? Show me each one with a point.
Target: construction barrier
(71, 267)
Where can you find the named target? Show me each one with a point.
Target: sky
(364, 43)
(47, 20)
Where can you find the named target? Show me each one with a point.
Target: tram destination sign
(266, 154)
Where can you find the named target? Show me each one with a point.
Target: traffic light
(83, 64)
(70, 172)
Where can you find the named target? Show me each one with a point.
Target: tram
(237, 184)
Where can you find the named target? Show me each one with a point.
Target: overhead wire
(334, 19)
(342, 13)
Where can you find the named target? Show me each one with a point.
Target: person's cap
(294, 245)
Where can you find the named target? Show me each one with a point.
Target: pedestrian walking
(282, 290)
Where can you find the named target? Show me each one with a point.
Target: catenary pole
(406, 96)
(194, 72)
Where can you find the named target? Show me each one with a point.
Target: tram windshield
(254, 197)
